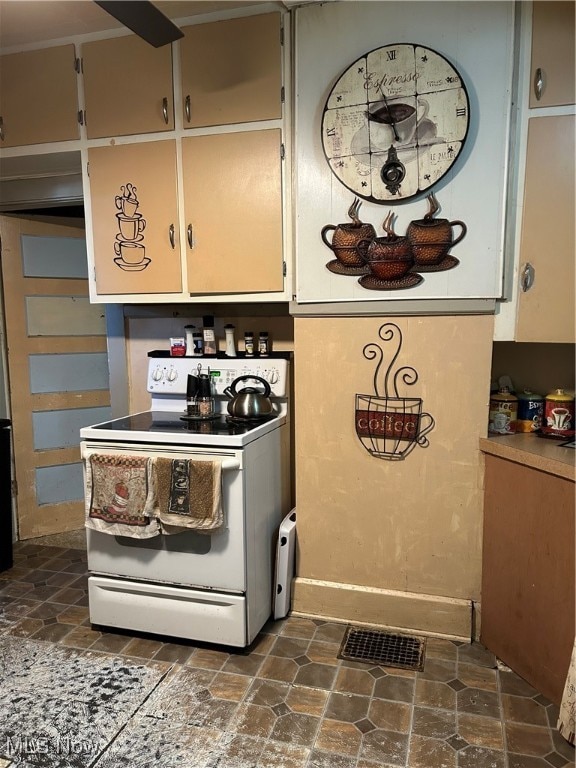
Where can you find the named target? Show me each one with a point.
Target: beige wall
(396, 543)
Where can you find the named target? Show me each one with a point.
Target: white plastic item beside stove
(285, 555)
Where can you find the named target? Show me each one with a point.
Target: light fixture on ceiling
(144, 19)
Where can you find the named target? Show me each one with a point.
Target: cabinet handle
(190, 236)
(528, 275)
(165, 109)
(538, 84)
(187, 108)
(171, 236)
(1, 128)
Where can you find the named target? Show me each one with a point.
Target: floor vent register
(389, 650)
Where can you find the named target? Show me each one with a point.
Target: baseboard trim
(402, 611)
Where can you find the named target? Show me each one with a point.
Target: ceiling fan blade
(144, 19)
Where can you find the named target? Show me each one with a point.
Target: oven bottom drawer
(166, 610)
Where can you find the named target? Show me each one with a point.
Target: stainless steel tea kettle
(249, 403)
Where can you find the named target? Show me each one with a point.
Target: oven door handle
(230, 464)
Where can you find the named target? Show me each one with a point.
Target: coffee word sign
(401, 424)
(390, 426)
(395, 122)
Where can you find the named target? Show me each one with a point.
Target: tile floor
(126, 699)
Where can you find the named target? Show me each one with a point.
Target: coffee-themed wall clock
(395, 122)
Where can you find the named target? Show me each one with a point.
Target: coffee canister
(559, 414)
(503, 412)
(530, 411)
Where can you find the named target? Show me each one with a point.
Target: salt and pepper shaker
(205, 399)
(230, 345)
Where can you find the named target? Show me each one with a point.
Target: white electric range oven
(208, 587)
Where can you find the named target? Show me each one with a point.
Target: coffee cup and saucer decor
(350, 258)
(130, 251)
(431, 240)
(390, 261)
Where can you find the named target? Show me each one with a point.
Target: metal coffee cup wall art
(388, 425)
(393, 262)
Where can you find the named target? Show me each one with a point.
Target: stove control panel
(169, 375)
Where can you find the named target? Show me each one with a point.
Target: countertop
(540, 453)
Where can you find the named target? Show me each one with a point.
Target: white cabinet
(539, 305)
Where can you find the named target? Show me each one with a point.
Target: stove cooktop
(168, 426)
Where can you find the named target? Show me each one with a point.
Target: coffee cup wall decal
(130, 251)
(388, 425)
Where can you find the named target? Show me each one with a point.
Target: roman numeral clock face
(395, 122)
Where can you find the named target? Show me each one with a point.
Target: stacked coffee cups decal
(129, 248)
(394, 261)
(388, 425)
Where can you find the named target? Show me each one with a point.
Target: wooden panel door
(528, 573)
(133, 201)
(233, 207)
(57, 369)
(39, 97)
(553, 53)
(127, 87)
(232, 71)
(546, 309)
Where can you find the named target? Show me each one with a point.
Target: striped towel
(119, 496)
(188, 494)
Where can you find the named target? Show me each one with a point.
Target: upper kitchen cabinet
(38, 97)
(547, 247)
(233, 211)
(539, 300)
(134, 210)
(552, 68)
(127, 87)
(232, 71)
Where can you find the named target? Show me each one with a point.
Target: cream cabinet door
(552, 53)
(546, 294)
(133, 198)
(233, 212)
(232, 71)
(39, 97)
(127, 87)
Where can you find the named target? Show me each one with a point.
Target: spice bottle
(198, 342)
(263, 344)
(249, 343)
(209, 336)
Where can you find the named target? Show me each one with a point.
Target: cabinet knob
(527, 277)
(187, 108)
(538, 83)
(165, 109)
(190, 236)
(1, 128)
(171, 236)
